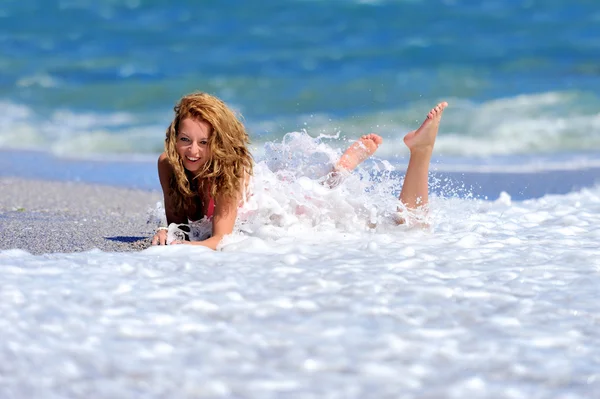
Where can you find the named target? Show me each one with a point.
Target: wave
(552, 122)
(67, 133)
(528, 125)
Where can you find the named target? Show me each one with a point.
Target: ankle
(421, 151)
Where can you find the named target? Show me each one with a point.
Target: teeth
(192, 159)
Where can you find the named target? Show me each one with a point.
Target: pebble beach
(50, 216)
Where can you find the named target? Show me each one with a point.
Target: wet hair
(230, 162)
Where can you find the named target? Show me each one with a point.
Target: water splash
(291, 197)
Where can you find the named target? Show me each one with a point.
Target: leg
(354, 155)
(415, 190)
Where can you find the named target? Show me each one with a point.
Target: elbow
(214, 241)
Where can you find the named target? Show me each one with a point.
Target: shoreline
(477, 180)
(55, 205)
(43, 217)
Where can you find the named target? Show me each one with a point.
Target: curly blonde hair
(230, 161)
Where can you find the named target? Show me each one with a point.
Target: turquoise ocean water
(83, 79)
(105, 74)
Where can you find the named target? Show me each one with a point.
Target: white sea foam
(319, 296)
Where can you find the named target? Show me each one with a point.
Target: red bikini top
(211, 203)
(211, 208)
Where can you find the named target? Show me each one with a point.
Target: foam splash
(290, 197)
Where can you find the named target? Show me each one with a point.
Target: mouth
(191, 159)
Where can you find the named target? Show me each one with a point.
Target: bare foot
(360, 150)
(424, 137)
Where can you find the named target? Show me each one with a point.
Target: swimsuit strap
(211, 205)
(211, 208)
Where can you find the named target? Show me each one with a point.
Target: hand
(160, 238)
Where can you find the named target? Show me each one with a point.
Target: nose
(194, 147)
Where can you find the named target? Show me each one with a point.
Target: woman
(206, 166)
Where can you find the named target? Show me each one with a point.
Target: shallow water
(493, 299)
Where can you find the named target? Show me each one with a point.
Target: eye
(185, 139)
(204, 142)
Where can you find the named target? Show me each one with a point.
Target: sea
(317, 294)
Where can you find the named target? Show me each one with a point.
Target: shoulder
(163, 163)
(165, 170)
(162, 159)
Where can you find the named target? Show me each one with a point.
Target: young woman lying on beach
(206, 165)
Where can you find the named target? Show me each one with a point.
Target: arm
(223, 221)
(165, 172)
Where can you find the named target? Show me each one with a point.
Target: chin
(192, 168)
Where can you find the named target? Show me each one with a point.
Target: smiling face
(192, 143)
